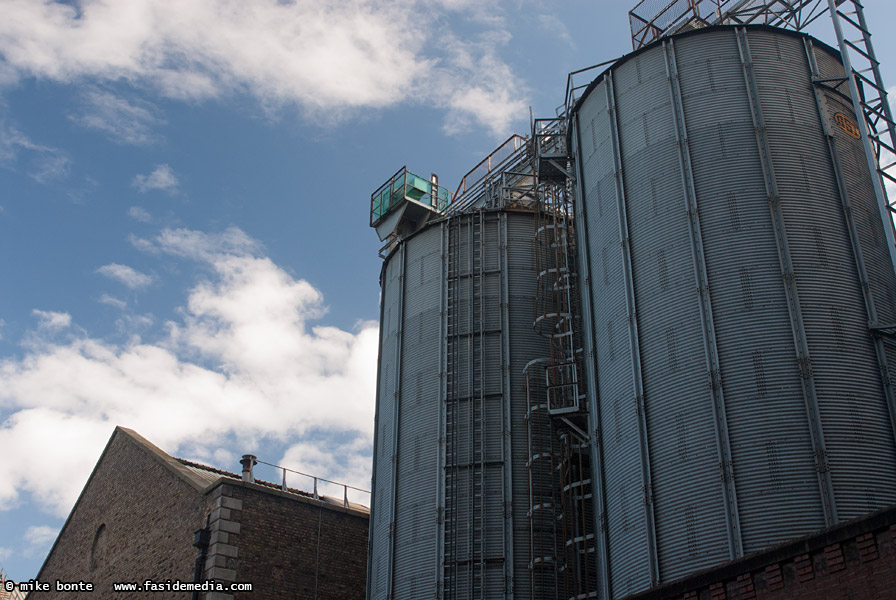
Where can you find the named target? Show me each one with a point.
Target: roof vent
(248, 461)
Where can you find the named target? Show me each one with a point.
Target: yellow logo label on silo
(848, 125)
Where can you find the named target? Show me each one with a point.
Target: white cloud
(38, 538)
(346, 462)
(488, 96)
(49, 320)
(323, 56)
(112, 301)
(5, 552)
(162, 178)
(129, 122)
(139, 214)
(246, 360)
(127, 275)
(554, 26)
(41, 163)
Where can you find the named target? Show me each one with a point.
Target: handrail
(572, 88)
(345, 486)
(660, 17)
(492, 162)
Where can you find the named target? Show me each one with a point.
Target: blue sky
(184, 196)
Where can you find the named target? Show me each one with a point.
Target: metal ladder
(465, 548)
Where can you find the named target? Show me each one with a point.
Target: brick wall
(285, 546)
(135, 521)
(115, 533)
(855, 561)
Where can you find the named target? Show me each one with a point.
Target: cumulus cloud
(323, 56)
(247, 359)
(127, 275)
(128, 122)
(162, 178)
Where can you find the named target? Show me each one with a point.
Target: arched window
(98, 548)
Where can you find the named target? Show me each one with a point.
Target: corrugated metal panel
(678, 401)
(778, 492)
(383, 476)
(752, 323)
(418, 434)
(619, 445)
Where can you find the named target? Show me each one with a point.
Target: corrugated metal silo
(735, 256)
(450, 490)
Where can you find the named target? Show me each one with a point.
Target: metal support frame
(710, 349)
(637, 379)
(869, 100)
(790, 288)
(560, 397)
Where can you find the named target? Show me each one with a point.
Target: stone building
(141, 511)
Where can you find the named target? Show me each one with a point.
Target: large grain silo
(451, 487)
(737, 276)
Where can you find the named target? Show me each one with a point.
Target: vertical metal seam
(399, 338)
(597, 475)
(483, 524)
(862, 272)
(507, 487)
(471, 516)
(443, 412)
(634, 347)
(873, 165)
(790, 289)
(710, 349)
(376, 436)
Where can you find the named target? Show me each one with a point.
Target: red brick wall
(149, 515)
(282, 555)
(855, 561)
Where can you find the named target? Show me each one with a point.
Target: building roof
(212, 475)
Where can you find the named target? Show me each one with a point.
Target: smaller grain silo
(451, 485)
(738, 273)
